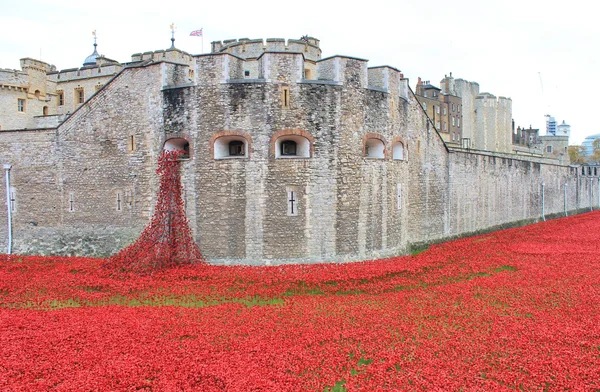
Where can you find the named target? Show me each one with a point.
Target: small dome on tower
(91, 59)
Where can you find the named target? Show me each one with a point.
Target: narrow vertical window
(71, 202)
(13, 200)
(292, 201)
(61, 97)
(285, 97)
(399, 196)
(131, 143)
(79, 95)
(119, 202)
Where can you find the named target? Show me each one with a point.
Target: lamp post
(7, 168)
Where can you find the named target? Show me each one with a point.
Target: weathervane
(172, 35)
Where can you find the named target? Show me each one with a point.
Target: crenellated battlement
(13, 77)
(174, 55)
(70, 74)
(253, 48)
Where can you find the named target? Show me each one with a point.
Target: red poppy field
(512, 310)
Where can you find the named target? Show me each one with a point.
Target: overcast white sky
(535, 52)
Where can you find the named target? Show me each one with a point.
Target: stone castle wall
(98, 167)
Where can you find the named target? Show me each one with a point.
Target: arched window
(374, 148)
(45, 110)
(292, 146)
(178, 143)
(230, 147)
(398, 151)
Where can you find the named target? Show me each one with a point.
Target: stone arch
(399, 149)
(374, 146)
(304, 143)
(178, 143)
(220, 144)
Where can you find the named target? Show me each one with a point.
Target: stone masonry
(369, 175)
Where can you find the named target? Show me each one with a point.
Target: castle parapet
(173, 55)
(388, 79)
(12, 78)
(253, 48)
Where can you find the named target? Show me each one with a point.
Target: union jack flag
(196, 33)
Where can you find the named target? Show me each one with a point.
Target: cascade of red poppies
(167, 241)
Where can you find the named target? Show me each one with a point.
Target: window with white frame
(230, 147)
(178, 144)
(398, 151)
(292, 146)
(374, 148)
(21, 105)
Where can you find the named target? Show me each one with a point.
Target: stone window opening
(398, 151)
(71, 202)
(246, 74)
(119, 202)
(79, 95)
(45, 111)
(582, 171)
(131, 143)
(589, 171)
(374, 148)
(548, 149)
(178, 144)
(292, 200)
(595, 171)
(37, 94)
(226, 147)
(21, 105)
(61, 97)
(13, 200)
(398, 196)
(285, 97)
(292, 146)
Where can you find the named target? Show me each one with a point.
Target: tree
(576, 154)
(596, 152)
